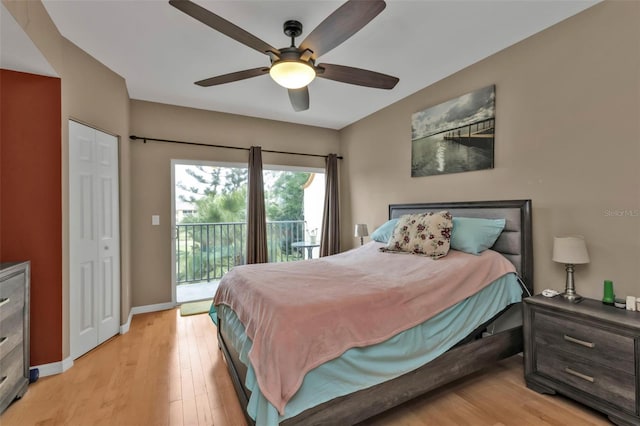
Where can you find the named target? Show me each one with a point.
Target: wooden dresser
(586, 351)
(14, 331)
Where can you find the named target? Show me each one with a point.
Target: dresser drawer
(615, 387)
(11, 295)
(606, 348)
(11, 331)
(11, 369)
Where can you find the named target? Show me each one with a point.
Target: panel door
(94, 290)
(108, 256)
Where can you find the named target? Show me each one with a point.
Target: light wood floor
(168, 371)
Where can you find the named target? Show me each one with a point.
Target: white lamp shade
(570, 250)
(361, 230)
(292, 74)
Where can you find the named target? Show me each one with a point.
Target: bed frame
(515, 243)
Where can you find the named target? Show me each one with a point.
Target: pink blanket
(302, 314)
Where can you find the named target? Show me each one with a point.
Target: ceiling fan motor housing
(293, 29)
(288, 54)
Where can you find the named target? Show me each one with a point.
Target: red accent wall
(31, 199)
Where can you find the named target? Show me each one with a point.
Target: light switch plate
(155, 219)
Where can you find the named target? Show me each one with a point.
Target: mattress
(360, 368)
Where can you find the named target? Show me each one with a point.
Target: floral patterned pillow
(427, 234)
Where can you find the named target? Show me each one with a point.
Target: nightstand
(586, 351)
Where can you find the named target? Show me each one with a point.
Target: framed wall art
(454, 136)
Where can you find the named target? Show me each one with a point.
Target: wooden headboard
(515, 242)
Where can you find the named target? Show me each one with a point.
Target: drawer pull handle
(582, 376)
(2, 340)
(4, 301)
(579, 342)
(4, 378)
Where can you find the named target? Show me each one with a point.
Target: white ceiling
(160, 51)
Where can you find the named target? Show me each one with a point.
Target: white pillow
(426, 234)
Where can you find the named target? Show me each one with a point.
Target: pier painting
(455, 136)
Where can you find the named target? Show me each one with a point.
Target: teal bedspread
(360, 368)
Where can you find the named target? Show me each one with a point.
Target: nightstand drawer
(590, 342)
(615, 387)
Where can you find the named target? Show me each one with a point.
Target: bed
(494, 333)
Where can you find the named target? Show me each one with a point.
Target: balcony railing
(206, 251)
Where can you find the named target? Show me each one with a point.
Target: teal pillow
(384, 232)
(475, 235)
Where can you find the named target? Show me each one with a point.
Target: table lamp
(571, 251)
(361, 231)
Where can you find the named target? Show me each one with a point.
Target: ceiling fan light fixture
(292, 74)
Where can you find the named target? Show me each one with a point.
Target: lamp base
(573, 298)
(570, 289)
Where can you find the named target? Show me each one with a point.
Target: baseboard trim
(62, 366)
(54, 367)
(124, 328)
(152, 308)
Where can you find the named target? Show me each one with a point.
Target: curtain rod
(144, 140)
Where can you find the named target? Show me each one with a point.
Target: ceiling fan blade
(344, 22)
(299, 99)
(222, 25)
(234, 76)
(357, 76)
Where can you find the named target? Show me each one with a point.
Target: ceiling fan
(295, 67)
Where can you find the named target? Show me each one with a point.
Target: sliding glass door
(209, 221)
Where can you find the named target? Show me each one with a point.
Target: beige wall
(94, 95)
(151, 173)
(567, 137)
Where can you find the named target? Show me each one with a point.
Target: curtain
(256, 217)
(330, 242)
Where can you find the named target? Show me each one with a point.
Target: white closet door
(94, 290)
(108, 236)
